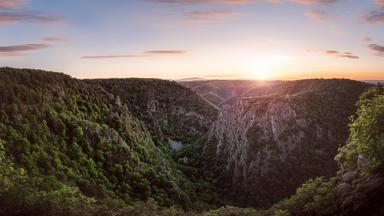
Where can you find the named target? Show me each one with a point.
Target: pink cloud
(375, 17)
(21, 49)
(28, 16)
(54, 38)
(150, 53)
(380, 2)
(336, 53)
(318, 16)
(209, 16)
(10, 3)
(379, 49)
(203, 1)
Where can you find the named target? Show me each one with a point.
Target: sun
(261, 73)
(266, 67)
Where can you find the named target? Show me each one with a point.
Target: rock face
(360, 191)
(169, 110)
(266, 146)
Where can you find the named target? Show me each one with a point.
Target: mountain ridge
(106, 145)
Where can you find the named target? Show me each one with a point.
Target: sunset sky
(213, 39)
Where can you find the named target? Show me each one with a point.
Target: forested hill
(154, 147)
(66, 131)
(168, 109)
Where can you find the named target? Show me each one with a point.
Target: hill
(154, 147)
(78, 134)
(278, 130)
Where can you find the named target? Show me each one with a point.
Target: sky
(212, 39)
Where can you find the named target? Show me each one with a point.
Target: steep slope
(269, 145)
(169, 110)
(100, 147)
(221, 92)
(81, 135)
(358, 187)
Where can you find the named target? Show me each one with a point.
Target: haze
(213, 39)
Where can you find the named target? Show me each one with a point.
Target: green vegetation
(310, 119)
(72, 147)
(168, 109)
(322, 196)
(79, 135)
(367, 132)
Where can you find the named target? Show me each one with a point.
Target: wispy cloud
(380, 3)
(379, 49)
(150, 53)
(367, 39)
(336, 53)
(317, 15)
(315, 1)
(10, 3)
(22, 48)
(186, 2)
(203, 1)
(217, 15)
(54, 38)
(28, 16)
(165, 52)
(375, 17)
(209, 16)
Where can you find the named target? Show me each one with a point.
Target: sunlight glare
(266, 67)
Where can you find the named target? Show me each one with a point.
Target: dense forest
(102, 147)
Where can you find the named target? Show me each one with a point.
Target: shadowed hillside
(154, 147)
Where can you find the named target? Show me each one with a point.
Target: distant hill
(156, 147)
(190, 79)
(373, 81)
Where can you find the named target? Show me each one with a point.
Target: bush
(366, 132)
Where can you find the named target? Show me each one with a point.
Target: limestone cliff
(266, 146)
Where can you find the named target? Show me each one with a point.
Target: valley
(157, 147)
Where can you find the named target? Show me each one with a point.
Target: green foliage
(233, 211)
(366, 132)
(44, 196)
(76, 132)
(320, 196)
(281, 213)
(168, 109)
(315, 197)
(8, 172)
(68, 147)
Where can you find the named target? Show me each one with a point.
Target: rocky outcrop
(267, 146)
(359, 190)
(169, 110)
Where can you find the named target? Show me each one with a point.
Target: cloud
(144, 54)
(336, 53)
(28, 16)
(342, 54)
(20, 49)
(10, 3)
(332, 52)
(379, 49)
(186, 2)
(315, 1)
(54, 38)
(351, 56)
(318, 16)
(203, 1)
(165, 52)
(367, 39)
(209, 16)
(375, 17)
(380, 3)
